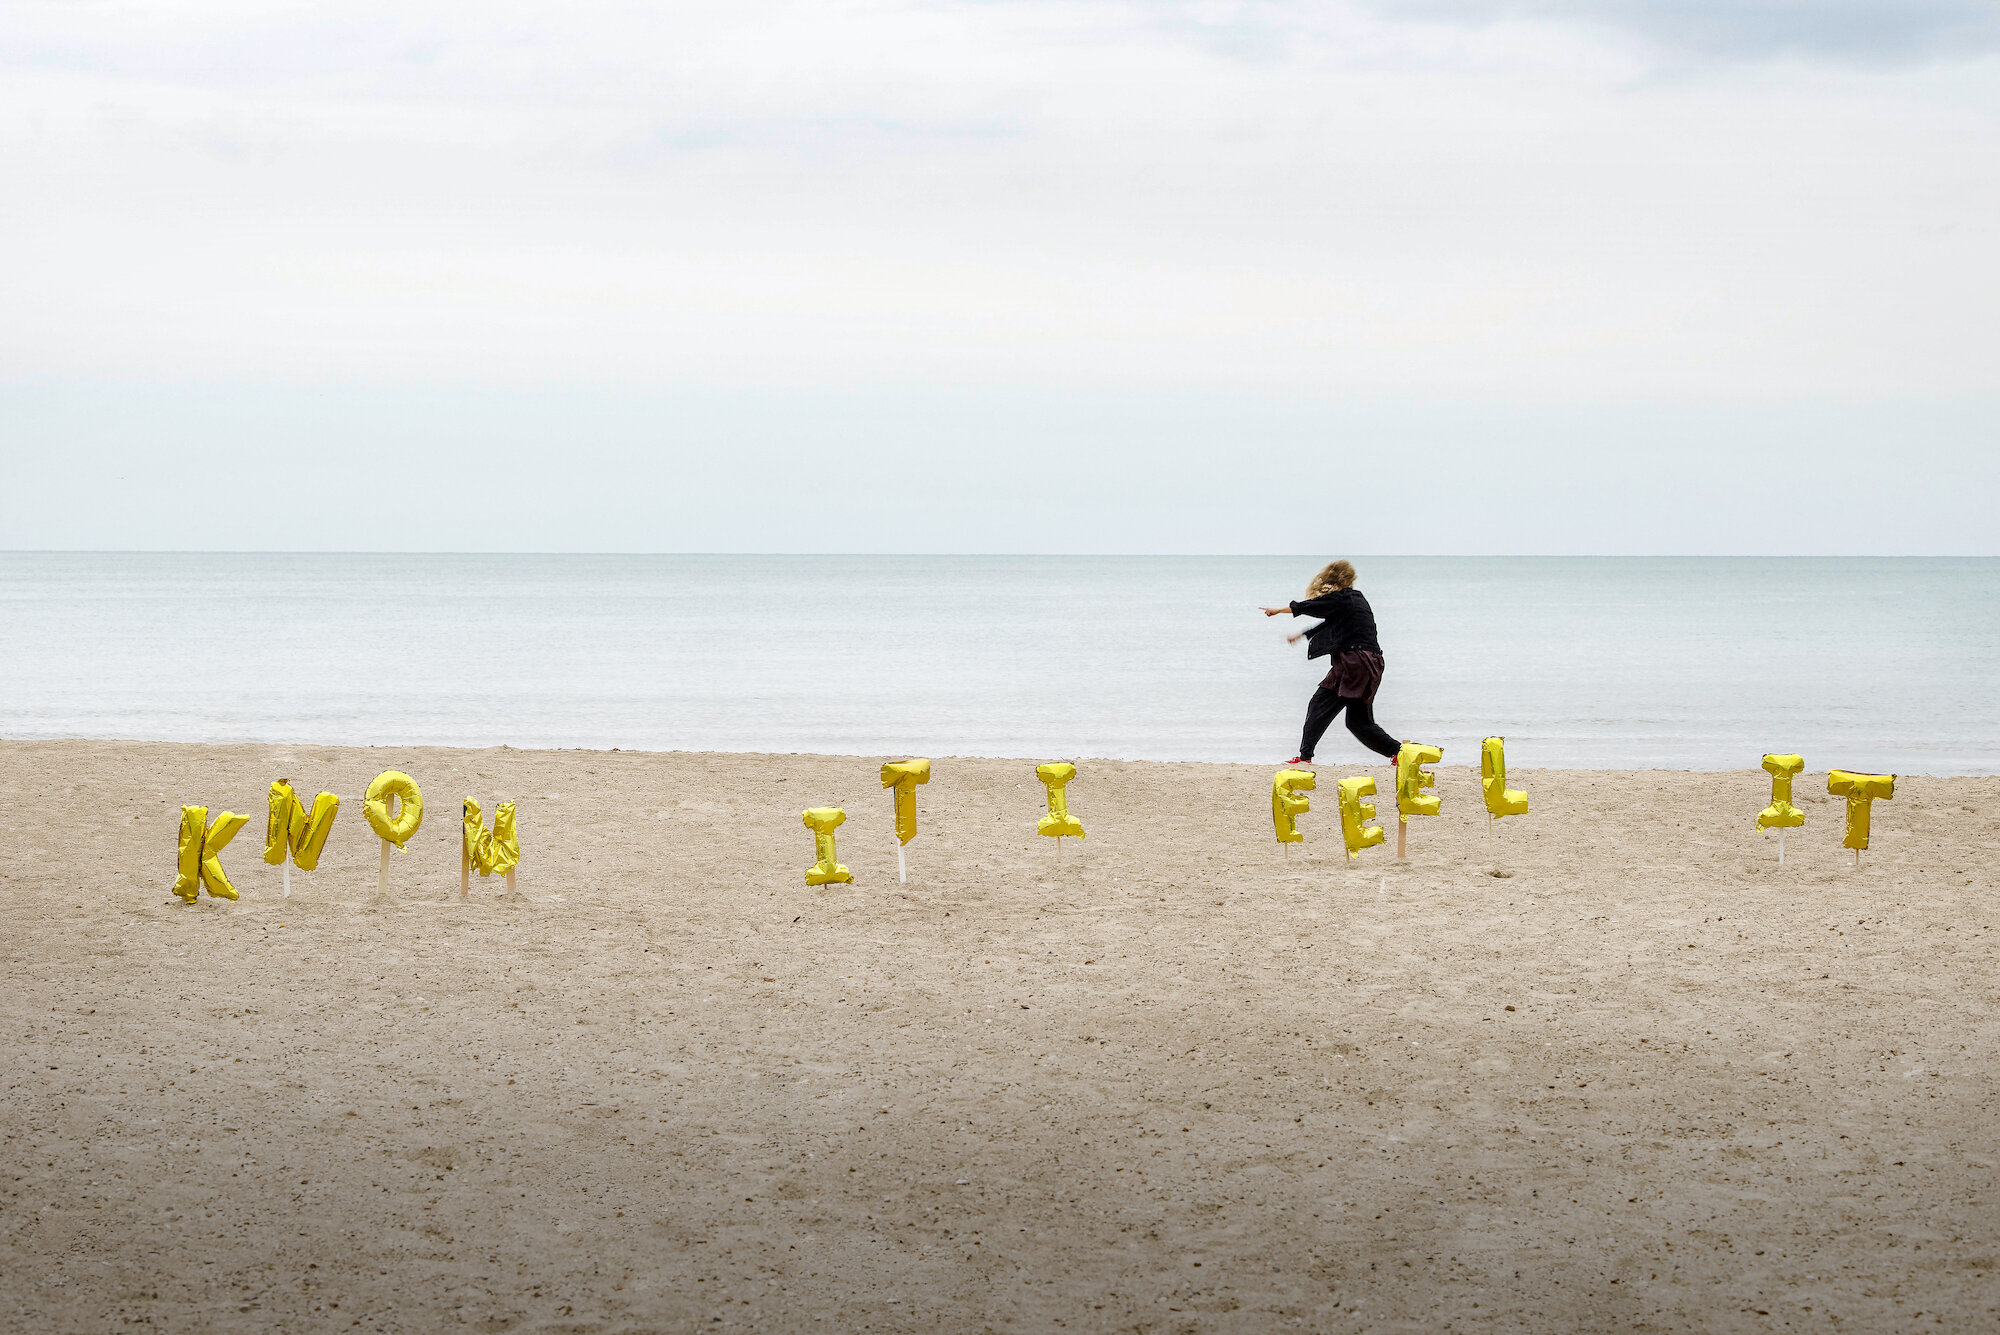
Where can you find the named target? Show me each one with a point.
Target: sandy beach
(1638, 1078)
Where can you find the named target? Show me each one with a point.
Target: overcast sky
(1057, 275)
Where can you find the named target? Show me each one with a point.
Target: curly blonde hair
(1333, 575)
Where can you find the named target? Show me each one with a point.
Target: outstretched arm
(1276, 611)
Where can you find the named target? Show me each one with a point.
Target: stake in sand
(902, 777)
(1860, 790)
(826, 869)
(1411, 780)
(293, 835)
(1288, 800)
(394, 807)
(1781, 815)
(1055, 777)
(1500, 799)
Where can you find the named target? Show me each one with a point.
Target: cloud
(1858, 32)
(1850, 30)
(1450, 196)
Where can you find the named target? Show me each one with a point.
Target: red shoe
(1297, 760)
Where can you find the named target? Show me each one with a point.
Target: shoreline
(1345, 767)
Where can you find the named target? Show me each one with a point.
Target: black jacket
(1349, 623)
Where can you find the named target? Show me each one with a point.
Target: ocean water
(1685, 663)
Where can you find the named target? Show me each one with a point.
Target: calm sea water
(1878, 664)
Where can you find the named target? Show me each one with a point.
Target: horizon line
(1420, 556)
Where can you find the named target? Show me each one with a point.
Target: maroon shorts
(1355, 674)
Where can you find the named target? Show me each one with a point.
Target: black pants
(1325, 703)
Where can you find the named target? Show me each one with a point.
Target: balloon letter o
(375, 806)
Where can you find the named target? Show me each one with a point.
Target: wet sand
(1641, 1079)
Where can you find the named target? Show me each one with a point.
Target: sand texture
(1643, 1081)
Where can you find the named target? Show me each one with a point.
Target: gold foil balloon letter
(199, 865)
(1412, 778)
(1781, 814)
(294, 831)
(1287, 801)
(822, 821)
(904, 776)
(1860, 790)
(1058, 822)
(497, 850)
(1355, 815)
(1500, 799)
(375, 806)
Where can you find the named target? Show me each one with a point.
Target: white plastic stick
(510, 880)
(1781, 845)
(287, 866)
(902, 866)
(391, 805)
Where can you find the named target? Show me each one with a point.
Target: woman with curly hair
(1346, 634)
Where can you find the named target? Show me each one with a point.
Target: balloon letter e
(1412, 778)
(1355, 815)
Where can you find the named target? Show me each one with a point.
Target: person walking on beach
(1347, 635)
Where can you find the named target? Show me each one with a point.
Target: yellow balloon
(1412, 778)
(506, 839)
(822, 821)
(1058, 822)
(294, 831)
(904, 776)
(198, 866)
(1781, 814)
(1860, 790)
(1287, 802)
(1500, 799)
(375, 806)
(1355, 815)
(497, 850)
